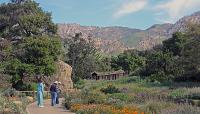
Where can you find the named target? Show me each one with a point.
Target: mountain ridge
(116, 39)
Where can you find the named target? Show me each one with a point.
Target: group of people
(55, 93)
(54, 90)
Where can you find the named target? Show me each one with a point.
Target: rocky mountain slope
(181, 24)
(116, 39)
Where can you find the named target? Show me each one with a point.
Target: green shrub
(110, 89)
(159, 76)
(10, 92)
(195, 102)
(120, 96)
(33, 86)
(9, 107)
(177, 94)
(89, 97)
(80, 84)
(117, 103)
(22, 86)
(67, 101)
(192, 93)
(156, 106)
(96, 98)
(130, 79)
(182, 109)
(83, 97)
(93, 111)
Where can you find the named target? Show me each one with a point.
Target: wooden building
(107, 75)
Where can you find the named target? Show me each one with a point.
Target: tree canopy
(81, 56)
(127, 61)
(30, 45)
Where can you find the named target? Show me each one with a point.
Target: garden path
(47, 109)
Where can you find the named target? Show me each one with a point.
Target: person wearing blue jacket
(40, 93)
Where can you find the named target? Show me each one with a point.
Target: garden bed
(133, 93)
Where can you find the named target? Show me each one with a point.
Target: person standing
(53, 91)
(40, 93)
(58, 92)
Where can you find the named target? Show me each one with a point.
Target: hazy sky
(130, 13)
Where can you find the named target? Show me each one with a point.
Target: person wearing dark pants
(53, 91)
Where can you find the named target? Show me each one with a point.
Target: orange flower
(98, 108)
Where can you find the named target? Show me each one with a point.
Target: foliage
(179, 93)
(156, 106)
(67, 101)
(130, 79)
(121, 96)
(127, 61)
(183, 64)
(84, 97)
(80, 84)
(182, 109)
(9, 107)
(185, 93)
(38, 58)
(24, 20)
(175, 44)
(10, 92)
(146, 96)
(160, 66)
(190, 58)
(103, 109)
(81, 56)
(41, 52)
(103, 63)
(31, 46)
(110, 89)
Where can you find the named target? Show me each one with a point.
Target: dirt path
(47, 109)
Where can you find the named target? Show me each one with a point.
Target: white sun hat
(55, 82)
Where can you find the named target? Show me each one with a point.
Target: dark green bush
(133, 79)
(194, 96)
(110, 89)
(159, 77)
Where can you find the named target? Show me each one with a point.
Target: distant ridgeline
(112, 40)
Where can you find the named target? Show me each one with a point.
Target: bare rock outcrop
(62, 75)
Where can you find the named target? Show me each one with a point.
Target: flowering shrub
(133, 98)
(104, 109)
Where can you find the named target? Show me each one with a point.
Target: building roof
(108, 73)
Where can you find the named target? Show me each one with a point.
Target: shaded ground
(48, 109)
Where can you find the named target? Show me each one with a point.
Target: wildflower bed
(104, 109)
(133, 96)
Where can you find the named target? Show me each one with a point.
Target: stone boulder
(62, 75)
